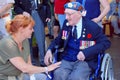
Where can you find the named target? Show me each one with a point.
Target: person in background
(44, 11)
(59, 15)
(56, 28)
(94, 7)
(59, 10)
(35, 8)
(50, 23)
(5, 15)
(15, 55)
(78, 59)
(114, 16)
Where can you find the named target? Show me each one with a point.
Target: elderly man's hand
(48, 57)
(81, 56)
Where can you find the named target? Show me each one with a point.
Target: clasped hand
(81, 56)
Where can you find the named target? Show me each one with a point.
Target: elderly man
(82, 41)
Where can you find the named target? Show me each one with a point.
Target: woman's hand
(96, 20)
(53, 66)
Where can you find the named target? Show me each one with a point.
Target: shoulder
(90, 25)
(7, 42)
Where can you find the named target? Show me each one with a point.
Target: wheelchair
(104, 69)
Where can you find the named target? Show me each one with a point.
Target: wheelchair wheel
(107, 68)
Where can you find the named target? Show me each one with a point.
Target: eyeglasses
(69, 14)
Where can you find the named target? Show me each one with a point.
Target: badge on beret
(75, 5)
(70, 5)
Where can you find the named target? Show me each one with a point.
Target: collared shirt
(79, 28)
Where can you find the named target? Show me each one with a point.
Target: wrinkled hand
(81, 56)
(48, 57)
(54, 66)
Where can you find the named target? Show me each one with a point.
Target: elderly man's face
(72, 16)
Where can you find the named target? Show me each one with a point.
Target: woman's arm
(19, 63)
(29, 60)
(106, 7)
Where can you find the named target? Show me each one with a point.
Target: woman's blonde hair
(19, 21)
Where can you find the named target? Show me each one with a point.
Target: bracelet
(47, 73)
(46, 70)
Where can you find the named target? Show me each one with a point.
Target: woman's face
(27, 32)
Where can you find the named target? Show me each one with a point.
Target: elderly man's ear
(83, 12)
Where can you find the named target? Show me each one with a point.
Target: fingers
(50, 60)
(81, 56)
(54, 66)
(46, 60)
(58, 64)
(48, 57)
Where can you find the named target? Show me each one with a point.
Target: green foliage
(34, 43)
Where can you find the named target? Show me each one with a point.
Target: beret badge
(70, 5)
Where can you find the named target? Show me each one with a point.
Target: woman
(15, 53)
(93, 11)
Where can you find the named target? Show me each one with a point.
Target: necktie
(75, 32)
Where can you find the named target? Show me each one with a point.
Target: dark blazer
(90, 32)
(25, 5)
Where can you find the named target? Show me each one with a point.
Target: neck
(18, 41)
